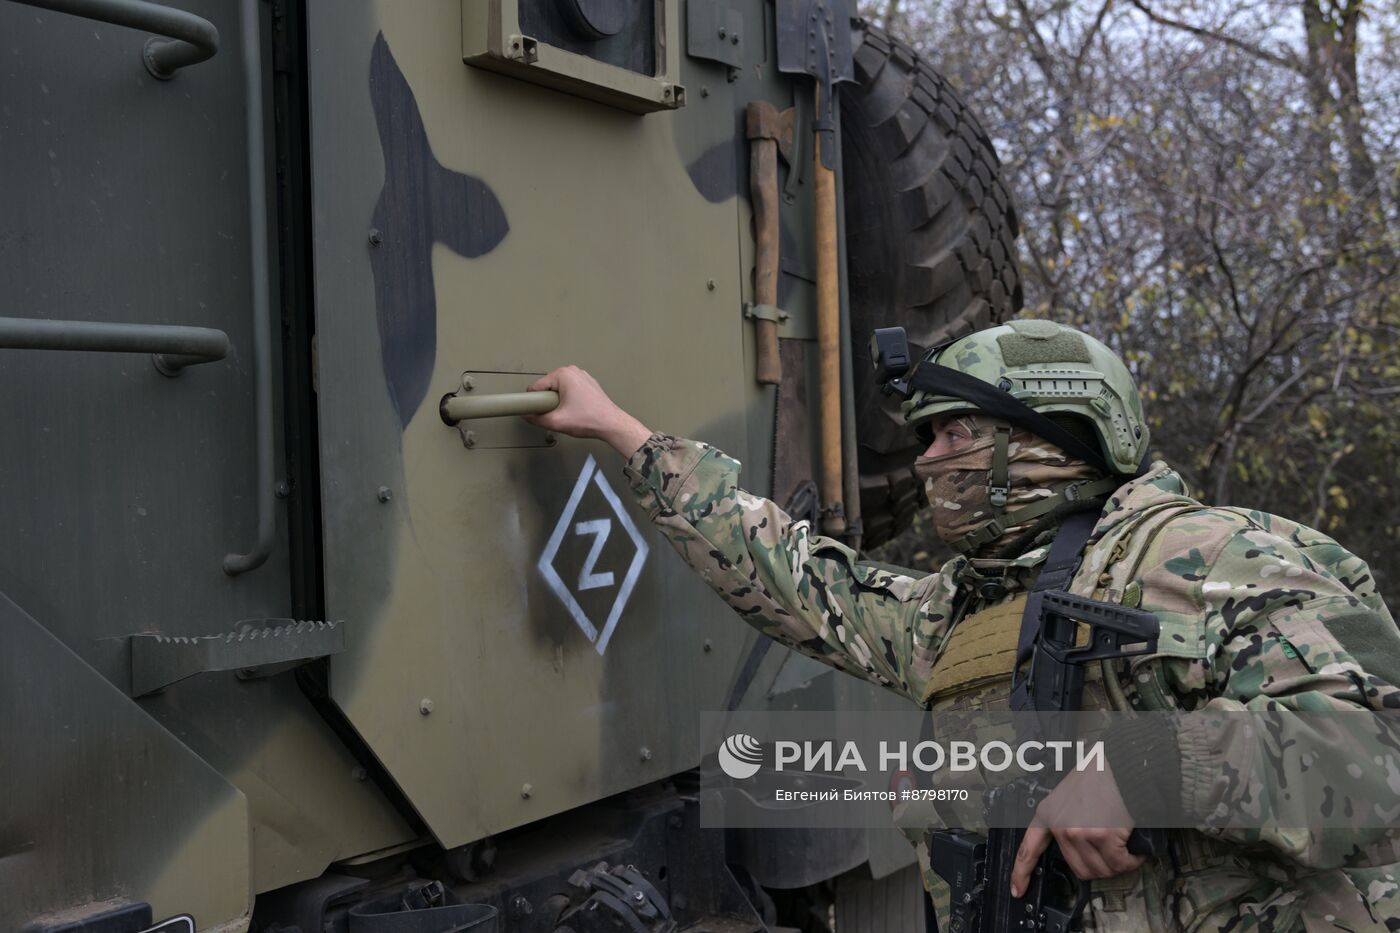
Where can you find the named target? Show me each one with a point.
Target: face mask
(956, 483)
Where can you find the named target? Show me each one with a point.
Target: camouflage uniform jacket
(1254, 610)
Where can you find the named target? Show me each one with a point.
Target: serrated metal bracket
(255, 646)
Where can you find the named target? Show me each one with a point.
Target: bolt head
(469, 438)
(425, 706)
(708, 645)
(645, 753)
(723, 32)
(704, 90)
(283, 489)
(384, 494)
(710, 284)
(735, 39)
(358, 773)
(375, 237)
(526, 791)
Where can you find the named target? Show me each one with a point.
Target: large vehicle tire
(886, 905)
(930, 244)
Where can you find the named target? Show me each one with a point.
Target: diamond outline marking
(556, 538)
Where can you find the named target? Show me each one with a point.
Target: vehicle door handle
(456, 407)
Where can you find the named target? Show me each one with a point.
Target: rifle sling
(1060, 564)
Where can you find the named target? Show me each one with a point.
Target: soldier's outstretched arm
(1304, 670)
(807, 591)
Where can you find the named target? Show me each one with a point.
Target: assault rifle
(978, 869)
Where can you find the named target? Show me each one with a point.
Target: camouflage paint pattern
(593, 231)
(1255, 610)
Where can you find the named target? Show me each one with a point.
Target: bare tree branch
(1285, 60)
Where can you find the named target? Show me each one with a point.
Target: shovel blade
(814, 38)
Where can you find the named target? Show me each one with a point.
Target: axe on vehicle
(814, 38)
(770, 133)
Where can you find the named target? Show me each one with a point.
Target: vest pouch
(973, 671)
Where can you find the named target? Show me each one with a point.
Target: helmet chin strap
(1066, 496)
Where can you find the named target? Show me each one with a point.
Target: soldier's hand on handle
(1086, 815)
(585, 410)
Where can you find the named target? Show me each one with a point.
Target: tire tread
(948, 229)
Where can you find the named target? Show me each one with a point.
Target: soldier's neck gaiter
(956, 483)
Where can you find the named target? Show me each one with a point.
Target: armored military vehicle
(296, 632)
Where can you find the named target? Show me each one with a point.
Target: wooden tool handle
(829, 344)
(763, 184)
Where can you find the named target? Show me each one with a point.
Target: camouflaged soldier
(1029, 425)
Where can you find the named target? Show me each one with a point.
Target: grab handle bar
(250, 31)
(455, 408)
(172, 347)
(185, 39)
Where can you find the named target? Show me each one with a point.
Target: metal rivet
(425, 706)
(723, 32)
(735, 40)
(282, 490)
(358, 773)
(710, 284)
(468, 383)
(375, 237)
(551, 438)
(704, 91)
(469, 439)
(525, 791)
(708, 646)
(645, 753)
(384, 494)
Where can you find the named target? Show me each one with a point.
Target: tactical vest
(973, 673)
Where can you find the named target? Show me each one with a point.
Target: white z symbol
(600, 529)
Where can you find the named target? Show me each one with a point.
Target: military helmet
(1053, 380)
